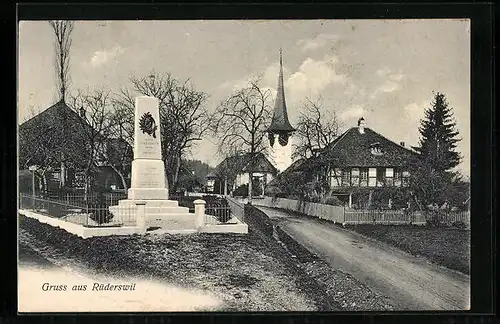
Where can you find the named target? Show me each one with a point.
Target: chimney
(82, 112)
(361, 125)
(402, 143)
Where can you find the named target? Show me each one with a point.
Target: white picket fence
(344, 215)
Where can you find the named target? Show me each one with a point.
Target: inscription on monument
(147, 131)
(150, 176)
(148, 146)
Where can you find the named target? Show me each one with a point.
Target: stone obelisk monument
(148, 175)
(148, 169)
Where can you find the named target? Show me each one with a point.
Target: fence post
(141, 216)
(199, 211)
(33, 191)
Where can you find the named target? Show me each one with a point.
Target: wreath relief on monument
(147, 124)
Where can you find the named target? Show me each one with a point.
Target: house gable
(238, 164)
(368, 149)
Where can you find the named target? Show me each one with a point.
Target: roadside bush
(313, 198)
(435, 218)
(258, 220)
(334, 201)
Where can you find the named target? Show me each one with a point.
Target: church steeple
(280, 124)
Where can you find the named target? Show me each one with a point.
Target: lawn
(448, 247)
(247, 272)
(240, 270)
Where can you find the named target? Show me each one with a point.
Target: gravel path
(413, 282)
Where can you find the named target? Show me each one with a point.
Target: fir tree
(439, 136)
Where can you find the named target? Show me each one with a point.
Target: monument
(148, 183)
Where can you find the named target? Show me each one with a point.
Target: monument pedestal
(148, 176)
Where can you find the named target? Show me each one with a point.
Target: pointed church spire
(280, 123)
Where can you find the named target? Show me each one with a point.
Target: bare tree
(316, 129)
(95, 127)
(40, 144)
(62, 31)
(183, 115)
(240, 123)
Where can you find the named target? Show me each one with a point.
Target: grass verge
(246, 273)
(448, 247)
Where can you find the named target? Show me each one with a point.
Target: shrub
(313, 199)
(435, 218)
(281, 195)
(334, 201)
(218, 207)
(98, 214)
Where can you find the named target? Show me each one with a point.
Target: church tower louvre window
(280, 130)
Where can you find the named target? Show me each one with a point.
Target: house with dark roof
(233, 172)
(362, 160)
(55, 139)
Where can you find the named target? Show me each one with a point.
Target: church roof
(280, 122)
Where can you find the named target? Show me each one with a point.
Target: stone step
(172, 221)
(171, 216)
(166, 210)
(149, 210)
(149, 203)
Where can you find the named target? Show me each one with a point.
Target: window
(406, 178)
(376, 149)
(335, 177)
(380, 177)
(363, 177)
(372, 177)
(346, 177)
(397, 178)
(355, 177)
(389, 176)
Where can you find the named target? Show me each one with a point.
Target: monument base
(163, 213)
(148, 194)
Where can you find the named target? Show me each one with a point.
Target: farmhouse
(57, 140)
(359, 165)
(233, 173)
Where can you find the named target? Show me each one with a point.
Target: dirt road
(413, 282)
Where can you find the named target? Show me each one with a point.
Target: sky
(383, 70)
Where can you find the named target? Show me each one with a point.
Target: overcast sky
(384, 71)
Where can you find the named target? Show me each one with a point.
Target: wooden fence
(322, 211)
(344, 215)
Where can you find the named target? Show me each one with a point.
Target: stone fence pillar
(141, 216)
(199, 211)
